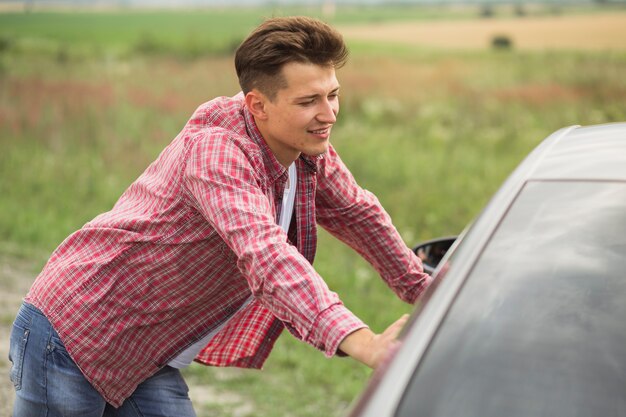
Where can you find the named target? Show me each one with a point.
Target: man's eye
(306, 103)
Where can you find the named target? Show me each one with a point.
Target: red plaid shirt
(193, 237)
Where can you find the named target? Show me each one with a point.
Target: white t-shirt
(187, 356)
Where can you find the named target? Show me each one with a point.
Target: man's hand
(370, 348)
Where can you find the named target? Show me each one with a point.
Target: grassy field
(87, 100)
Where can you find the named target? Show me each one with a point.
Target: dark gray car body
(527, 314)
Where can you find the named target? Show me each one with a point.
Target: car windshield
(539, 327)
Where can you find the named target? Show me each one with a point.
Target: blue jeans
(48, 382)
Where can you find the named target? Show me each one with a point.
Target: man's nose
(328, 111)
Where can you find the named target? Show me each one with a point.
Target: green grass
(183, 33)
(186, 33)
(432, 133)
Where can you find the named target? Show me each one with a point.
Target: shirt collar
(274, 168)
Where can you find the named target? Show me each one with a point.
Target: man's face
(300, 117)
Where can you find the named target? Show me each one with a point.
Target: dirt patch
(602, 31)
(16, 277)
(206, 399)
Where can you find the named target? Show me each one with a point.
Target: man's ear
(256, 101)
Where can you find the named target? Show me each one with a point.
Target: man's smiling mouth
(320, 131)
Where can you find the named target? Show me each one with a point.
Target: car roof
(581, 153)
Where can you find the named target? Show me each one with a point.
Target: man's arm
(356, 217)
(370, 348)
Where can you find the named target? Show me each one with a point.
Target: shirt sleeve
(355, 216)
(222, 181)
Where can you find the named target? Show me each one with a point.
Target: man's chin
(316, 154)
(321, 150)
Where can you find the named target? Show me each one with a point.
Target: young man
(208, 254)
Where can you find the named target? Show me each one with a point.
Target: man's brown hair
(278, 41)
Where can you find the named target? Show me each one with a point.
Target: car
(526, 315)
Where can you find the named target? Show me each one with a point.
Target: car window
(539, 327)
